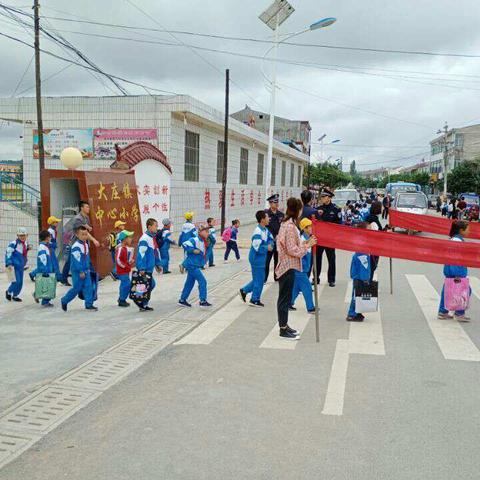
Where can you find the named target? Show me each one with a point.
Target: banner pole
(391, 277)
(315, 289)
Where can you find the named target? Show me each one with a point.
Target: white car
(345, 194)
(411, 202)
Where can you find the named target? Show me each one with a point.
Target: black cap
(327, 193)
(273, 198)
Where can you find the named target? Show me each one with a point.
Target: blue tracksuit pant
(442, 309)
(351, 310)
(210, 258)
(80, 285)
(165, 257)
(16, 287)
(125, 285)
(302, 284)
(194, 274)
(255, 286)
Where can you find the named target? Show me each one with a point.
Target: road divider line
(367, 337)
(334, 398)
(475, 285)
(211, 328)
(453, 341)
(348, 293)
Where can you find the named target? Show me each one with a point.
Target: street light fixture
(273, 17)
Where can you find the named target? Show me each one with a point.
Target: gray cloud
(428, 100)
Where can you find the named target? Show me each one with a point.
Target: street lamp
(273, 17)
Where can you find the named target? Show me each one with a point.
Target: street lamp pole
(445, 157)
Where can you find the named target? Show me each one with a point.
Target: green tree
(465, 177)
(328, 174)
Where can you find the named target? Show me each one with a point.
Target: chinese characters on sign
(55, 140)
(104, 140)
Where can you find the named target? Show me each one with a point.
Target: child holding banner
(458, 232)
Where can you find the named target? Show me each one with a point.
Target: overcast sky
(393, 101)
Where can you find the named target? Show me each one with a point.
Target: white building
(188, 132)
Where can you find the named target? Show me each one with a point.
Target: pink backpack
(457, 294)
(227, 234)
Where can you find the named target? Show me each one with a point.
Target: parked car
(411, 202)
(344, 194)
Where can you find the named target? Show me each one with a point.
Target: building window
(292, 174)
(284, 172)
(299, 177)
(192, 156)
(220, 160)
(243, 166)
(260, 167)
(459, 140)
(273, 178)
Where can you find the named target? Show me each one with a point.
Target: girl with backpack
(456, 281)
(229, 236)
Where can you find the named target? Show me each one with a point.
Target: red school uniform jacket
(122, 259)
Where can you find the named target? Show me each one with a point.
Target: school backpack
(141, 288)
(227, 234)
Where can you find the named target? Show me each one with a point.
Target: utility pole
(445, 152)
(225, 150)
(38, 94)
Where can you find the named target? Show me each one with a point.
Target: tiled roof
(136, 152)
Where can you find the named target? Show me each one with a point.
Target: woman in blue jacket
(458, 231)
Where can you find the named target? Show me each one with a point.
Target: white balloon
(71, 158)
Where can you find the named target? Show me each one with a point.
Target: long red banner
(396, 245)
(427, 223)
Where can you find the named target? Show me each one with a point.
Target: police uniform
(274, 227)
(332, 214)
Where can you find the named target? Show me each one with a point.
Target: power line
(270, 42)
(22, 77)
(342, 145)
(59, 57)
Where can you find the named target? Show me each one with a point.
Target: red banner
(395, 245)
(427, 223)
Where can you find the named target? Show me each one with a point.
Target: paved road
(393, 398)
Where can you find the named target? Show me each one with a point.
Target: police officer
(276, 217)
(329, 212)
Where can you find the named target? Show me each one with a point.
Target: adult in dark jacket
(328, 212)
(275, 219)
(374, 224)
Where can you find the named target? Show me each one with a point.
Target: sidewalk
(39, 344)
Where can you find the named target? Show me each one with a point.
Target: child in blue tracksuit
(302, 283)
(360, 269)
(212, 240)
(232, 243)
(80, 268)
(262, 243)
(45, 259)
(52, 230)
(15, 260)
(458, 231)
(166, 241)
(188, 230)
(123, 263)
(195, 249)
(148, 256)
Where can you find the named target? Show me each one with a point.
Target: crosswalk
(364, 338)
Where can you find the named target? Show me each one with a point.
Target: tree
(465, 177)
(328, 174)
(353, 168)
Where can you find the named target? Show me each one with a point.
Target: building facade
(187, 131)
(295, 132)
(462, 144)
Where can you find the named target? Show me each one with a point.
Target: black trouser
(274, 254)
(232, 246)
(285, 284)
(330, 252)
(373, 265)
(385, 212)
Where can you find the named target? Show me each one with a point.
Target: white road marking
(453, 341)
(364, 338)
(338, 377)
(348, 293)
(367, 337)
(297, 320)
(211, 328)
(475, 285)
